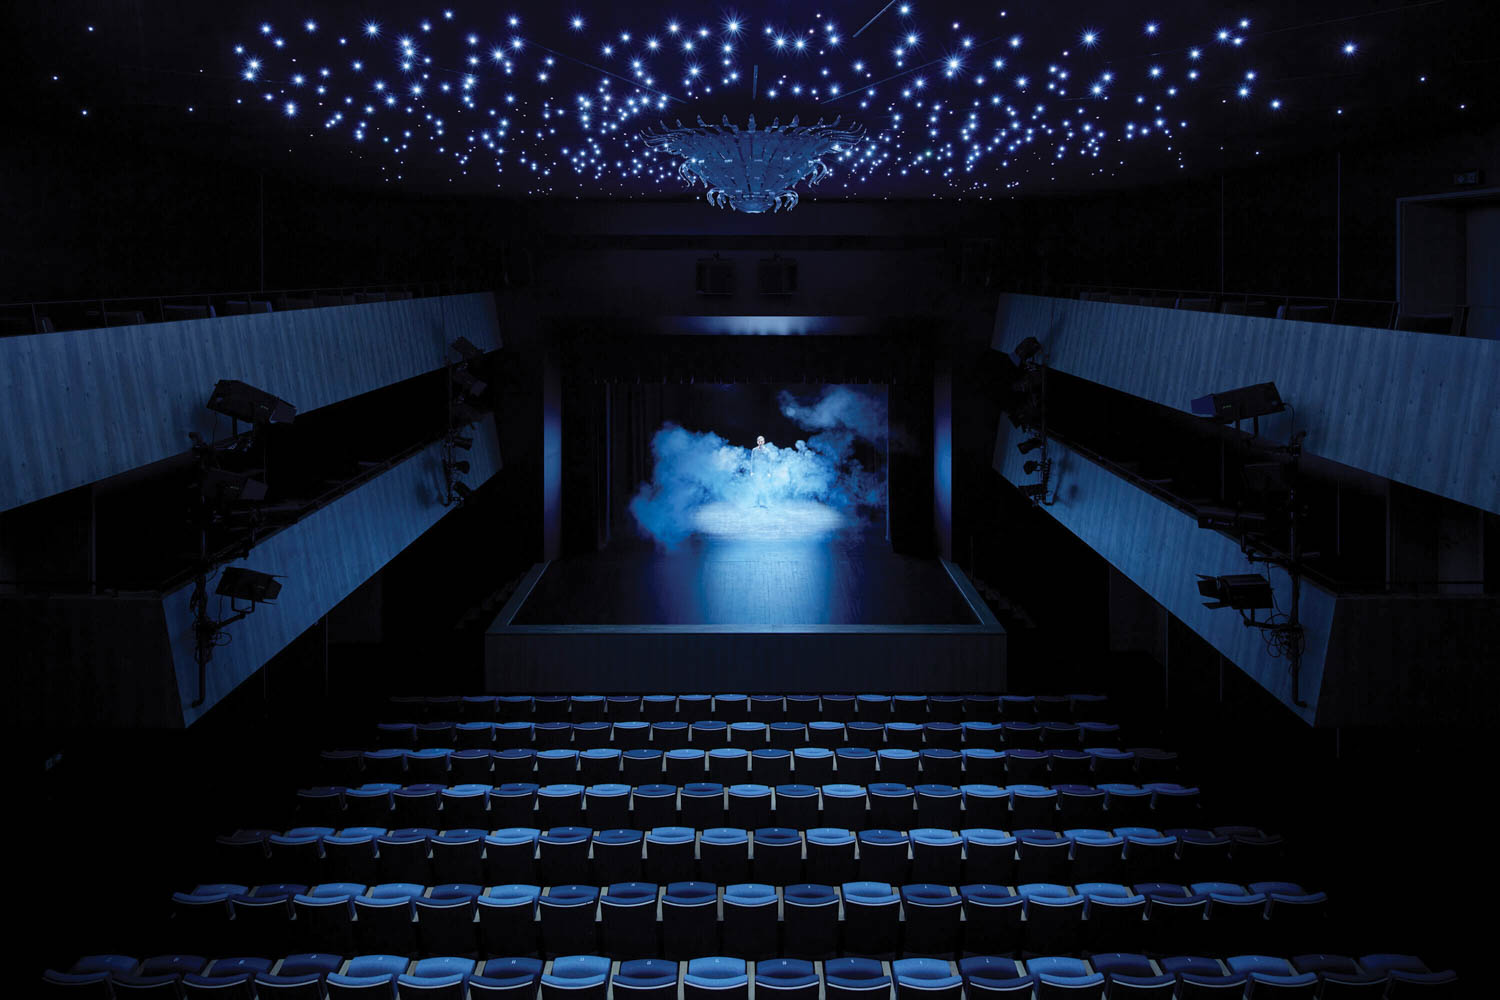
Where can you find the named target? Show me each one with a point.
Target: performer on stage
(760, 469)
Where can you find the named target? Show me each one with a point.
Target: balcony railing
(88, 314)
(1385, 314)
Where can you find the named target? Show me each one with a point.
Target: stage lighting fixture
(464, 413)
(470, 384)
(229, 487)
(245, 402)
(237, 583)
(1240, 591)
(461, 468)
(461, 442)
(1228, 518)
(467, 350)
(1031, 467)
(1034, 491)
(463, 490)
(1028, 349)
(1029, 445)
(1267, 479)
(1251, 401)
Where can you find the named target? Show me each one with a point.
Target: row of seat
(596, 977)
(773, 855)
(770, 766)
(766, 707)
(751, 735)
(701, 805)
(749, 920)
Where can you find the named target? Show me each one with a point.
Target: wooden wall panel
(1421, 409)
(82, 405)
(323, 559)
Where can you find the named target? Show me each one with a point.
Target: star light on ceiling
(754, 170)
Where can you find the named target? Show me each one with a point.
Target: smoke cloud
(696, 469)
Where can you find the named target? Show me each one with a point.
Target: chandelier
(754, 170)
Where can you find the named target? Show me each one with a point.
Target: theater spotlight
(461, 442)
(245, 402)
(1029, 445)
(1246, 403)
(1033, 491)
(457, 468)
(1240, 591)
(230, 487)
(1030, 467)
(467, 350)
(237, 583)
(465, 413)
(470, 384)
(1028, 349)
(464, 491)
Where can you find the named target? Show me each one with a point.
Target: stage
(753, 601)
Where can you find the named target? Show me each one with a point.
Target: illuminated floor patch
(782, 519)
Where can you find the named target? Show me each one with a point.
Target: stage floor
(851, 578)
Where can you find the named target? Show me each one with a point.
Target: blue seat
(776, 856)
(621, 707)
(1296, 916)
(225, 977)
(1172, 805)
(1236, 916)
(457, 856)
(577, 977)
(641, 766)
(1026, 767)
(892, 806)
(617, 856)
(632, 734)
(855, 765)
(771, 765)
(445, 977)
(510, 856)
(927, 978)
(1113, 915)
(383, 920)
(750, 912)
(607, 807)
(507, 919)
(983, 735)
(986, 806)
(366, 976)
(514, 733)
(1065, 977)
(658, 707)
(562, 855)
(796, 806)
(812, 765)
(989, 856)
(515, 978)
(766, 706)
(600, 766)
(702, 805)
(942, 765)
(787, 979)
(716, 978)
(653, 806)
(872, 918)
(899, 765)
(936, 856)
(686, 765)
(297, 977)
(646, 977)
(1054, 918)
(803, 707)
(1020, 735)
(873, 707)
(628, 920)
(726, 707)
(992, 919)
(994, 976)
(558, 806)
(1033, 807)
(789, 734)
(1111, 764)
(90, 977)
(670, 735)
(591, 735)
(838, 707)
(810, 914)
(1201, 854)
(549, 708)
(933, 917)
(1098, 855)
(983, 766)
(831, 853)
(1133, 976)
(689, 912)
(1341, 977)
(1080, 806)
(1174, 917)
(723, 855)
(826, 734)
(262, 921)
(1200, 978)
(748, 735)
(586, 708)
(855, 979)
(942, 735)
(1408, 975)
(1149, 855)
(884, 856)
(1273, 977)
(1126, 805)
(670, 854)
(749, 806)
(946, 707)
(466, 807)
(1069, 767)
(844, 806)
(567, 920)
(1043, 856)
(514, 764)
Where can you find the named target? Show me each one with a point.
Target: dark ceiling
(541, 99)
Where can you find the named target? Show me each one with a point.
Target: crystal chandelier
(754, 170)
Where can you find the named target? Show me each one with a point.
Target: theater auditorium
(756, 500)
